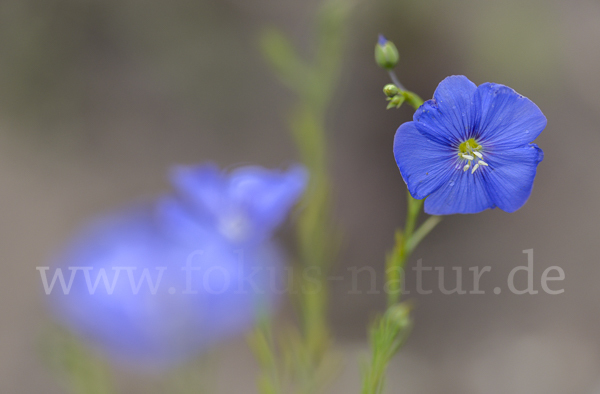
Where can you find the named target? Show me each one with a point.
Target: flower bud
(395, 101)
(386, 53)
(390, 90)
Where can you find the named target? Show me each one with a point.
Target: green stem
(401, 251)
(261, 342)
(422, 232)
(412, 215)
(406, 242)
(313, 81)
(395, 80)
(389, 332)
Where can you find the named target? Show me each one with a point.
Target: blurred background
(99, 97)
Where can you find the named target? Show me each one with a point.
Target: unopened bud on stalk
(386, 53)
(390, 90)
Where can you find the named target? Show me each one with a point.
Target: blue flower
(243, 207)
(159, 281)
(468, 149)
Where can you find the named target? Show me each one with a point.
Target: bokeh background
(99, 97)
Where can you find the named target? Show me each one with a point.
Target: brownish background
(99, 98)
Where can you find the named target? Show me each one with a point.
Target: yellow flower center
(470, 151)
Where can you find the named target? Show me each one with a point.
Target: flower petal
(244, 206)
(449, 117)
(267, 195)
(178, 221)
(511, 177)
(507, 119)
(465, 192)
(424, 164)
(202, 187)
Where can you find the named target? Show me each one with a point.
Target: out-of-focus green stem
(262, 344)
(307, 351)
(81, 370)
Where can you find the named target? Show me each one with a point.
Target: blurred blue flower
(468, 149)
(243, 207)
(160, 281)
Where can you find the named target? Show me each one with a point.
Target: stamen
(470, 151)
